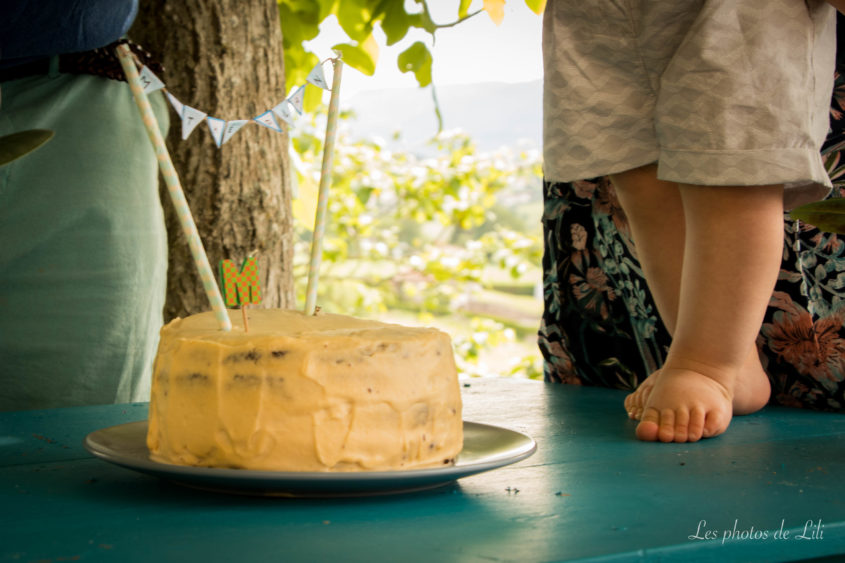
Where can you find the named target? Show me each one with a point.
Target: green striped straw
(174, 188)
(323, 199)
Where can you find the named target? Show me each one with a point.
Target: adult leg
(84, 254)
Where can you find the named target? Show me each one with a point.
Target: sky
(474, 51)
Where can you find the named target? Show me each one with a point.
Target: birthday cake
(303, 392)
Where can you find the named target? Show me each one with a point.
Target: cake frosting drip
(304, 393)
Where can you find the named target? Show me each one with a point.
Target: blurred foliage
(826, 215)
(17, 145)
(301, 21)
(407, 233)
(413, 234)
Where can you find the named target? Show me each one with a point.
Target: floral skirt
(600, 324)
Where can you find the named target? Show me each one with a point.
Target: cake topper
(240, 287)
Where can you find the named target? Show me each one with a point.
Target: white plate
(485, 447)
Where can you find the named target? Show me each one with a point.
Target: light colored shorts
(717, 92)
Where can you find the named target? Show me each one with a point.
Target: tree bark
(225, 58)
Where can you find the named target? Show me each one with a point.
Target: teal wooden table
(772, 489)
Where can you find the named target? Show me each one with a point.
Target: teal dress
(83, 248)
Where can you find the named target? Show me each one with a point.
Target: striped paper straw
(174, 188)
(323, 198)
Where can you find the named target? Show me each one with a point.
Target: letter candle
(174, 188)
(323, 197)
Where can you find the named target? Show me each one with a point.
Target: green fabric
(83, 248)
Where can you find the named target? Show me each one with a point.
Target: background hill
(495, 114)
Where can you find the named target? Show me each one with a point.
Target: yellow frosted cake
(304, 393)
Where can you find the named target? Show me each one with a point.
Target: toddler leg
(656, 213)
(734, 239)
(655, 216)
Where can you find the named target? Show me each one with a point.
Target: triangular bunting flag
(177, 105)
(150, 81)
(297, 98)
(317, 77)
(216, 126)
(282, 111)
(231, 128)
(191, 117)
(267, 120)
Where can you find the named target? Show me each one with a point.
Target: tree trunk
(225, 58)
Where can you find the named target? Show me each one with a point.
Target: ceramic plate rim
(383, 481)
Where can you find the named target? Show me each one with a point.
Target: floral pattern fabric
(600, 325)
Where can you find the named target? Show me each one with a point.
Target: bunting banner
(221, 129)
(217, 127)
(282, 111)
(318, 78)
(191, 117)
(297, 98)
(150, 81)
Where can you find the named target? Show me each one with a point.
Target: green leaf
(396, 21)
(16, 145)
(364, 194)
(536, 6)
(827, 215)
(299, 5)
(326, 7)
(416, 59)
(356, 18)
(313, 98)
(463, 8)
(361, 57)
(300, 22)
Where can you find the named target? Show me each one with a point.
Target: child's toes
(681, 425)
(695, 426)
(667, 425)
(715, 422)
(649, 425)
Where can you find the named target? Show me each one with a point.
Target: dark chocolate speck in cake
(248, 356)
(195, 378)
(249, 380)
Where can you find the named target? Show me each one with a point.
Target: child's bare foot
(685, 406)
(751, 390)
(635, 401)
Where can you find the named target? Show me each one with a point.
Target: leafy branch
(301, 20)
